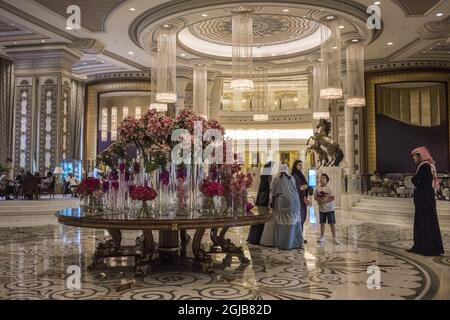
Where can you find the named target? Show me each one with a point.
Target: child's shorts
(330, 216)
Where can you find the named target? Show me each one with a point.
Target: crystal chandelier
(167, 64)
(260, 97)
(242, 42)
(320, 106)
(158, 106)
(200, 87)
(330, 51)
(355, 76)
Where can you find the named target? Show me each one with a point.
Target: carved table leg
(116, 236)
(201, 256)
(215, 239)
(185, 238)
(147, 244)
(230, 249)
(107, 248)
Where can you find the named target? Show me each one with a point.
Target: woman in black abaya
(427, 235)
(262, 199)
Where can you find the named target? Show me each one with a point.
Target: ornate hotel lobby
(224, 150)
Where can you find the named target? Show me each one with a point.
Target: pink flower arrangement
(212, 188)
(250, 206)
(131, 130)
(158, 127)
(241, 182)
(186, 120)
(143, 193)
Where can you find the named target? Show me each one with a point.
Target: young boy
(325, 198)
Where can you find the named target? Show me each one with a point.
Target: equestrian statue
(328, 151)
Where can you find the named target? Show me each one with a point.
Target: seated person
(375, 179)
(48, 182)
(72, 182)
(5, 187)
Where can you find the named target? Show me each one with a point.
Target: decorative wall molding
(58, 58)
(23, 124)
(47, 124)
(66, 134)
(295, 116)
(375, 66)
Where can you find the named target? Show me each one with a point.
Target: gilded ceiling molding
(435, 30)
(99, 11)
(414, 8)
(124, 60)
(178, 7)
(88, 46)
(26, 16)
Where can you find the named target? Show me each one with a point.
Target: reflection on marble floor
(34, 262)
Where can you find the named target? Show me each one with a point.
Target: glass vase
(144, 210)
(208, 205)
(182, 188)
(239, 202)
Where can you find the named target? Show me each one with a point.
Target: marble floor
(35, 264)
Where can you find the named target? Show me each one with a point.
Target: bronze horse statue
(328, 150)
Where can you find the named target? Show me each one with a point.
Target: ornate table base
(170, 251)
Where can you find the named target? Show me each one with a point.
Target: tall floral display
(169, 168)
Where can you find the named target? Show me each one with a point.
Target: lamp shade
(58, 170)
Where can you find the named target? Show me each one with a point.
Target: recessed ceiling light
(15, 42)
(166, 25)
(390, 43)
(377, 3)
(183, 54)
(285, 10)
(320, 60)
(204, 15)
(69, 28)
(334, 47)
(130, 52)
(355, 40)
(13, 24)
(341, 27)
(43, 41)
(330, 17)
(288, 60)
(132, 9)
(424, 52)
(439, 14)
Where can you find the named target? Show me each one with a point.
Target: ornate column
(42, 126)
(216, 95)
(23, 124)
(349, 149)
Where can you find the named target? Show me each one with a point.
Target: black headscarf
(297, 173)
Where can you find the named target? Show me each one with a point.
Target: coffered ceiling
(117, 34)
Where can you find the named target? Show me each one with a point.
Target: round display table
(173, 238)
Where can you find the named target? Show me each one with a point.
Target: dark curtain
(77, 116)
(6, 109)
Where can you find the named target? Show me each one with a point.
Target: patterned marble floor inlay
(36, 262)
